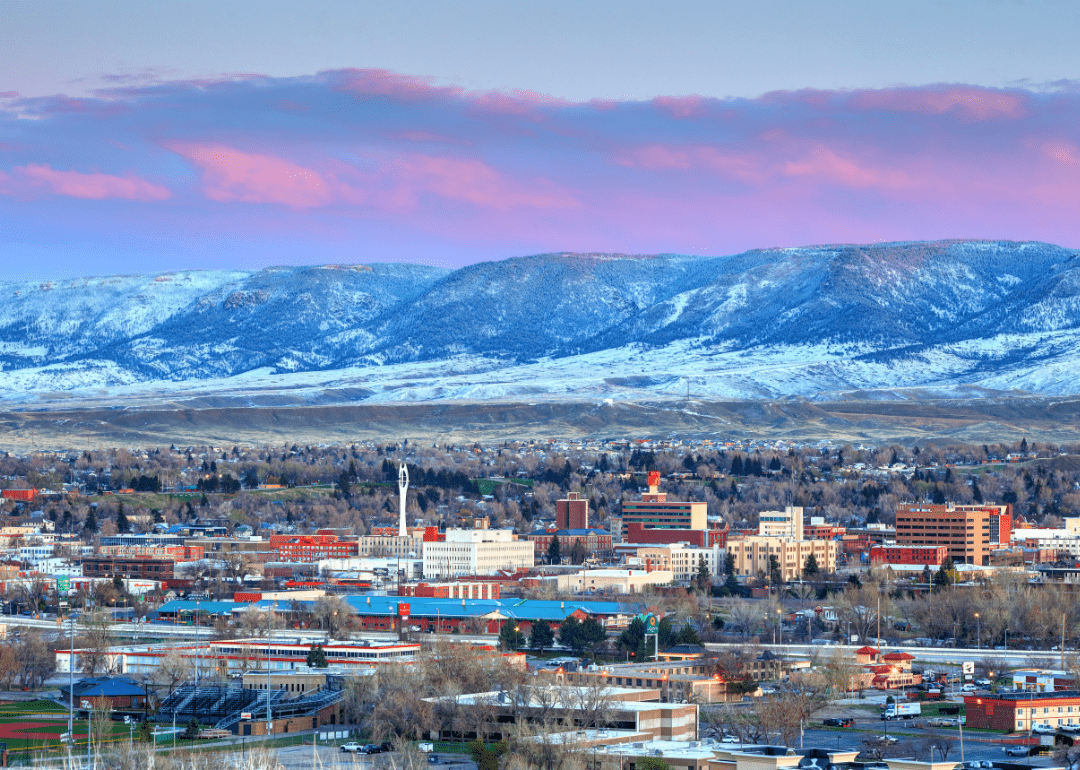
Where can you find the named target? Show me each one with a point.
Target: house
(119, 691)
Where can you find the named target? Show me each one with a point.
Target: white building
(786, 523)
(476, 552)
(616, 581)
(1061, 540)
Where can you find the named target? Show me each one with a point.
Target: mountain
(884, 321)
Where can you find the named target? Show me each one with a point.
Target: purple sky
(365, 165)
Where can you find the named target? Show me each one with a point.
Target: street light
(978, 632)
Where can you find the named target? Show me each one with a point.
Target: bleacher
(221, 706)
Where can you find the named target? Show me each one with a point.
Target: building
(655, 511)
(786, 523)
(615, 581)
(681, 559)
(1019, 711)
(390, 545)
(1062, 541)
(596, 542)
(572, 513)
(635, 532)
(459, 590)
(128, 567)
(1042, 680)
(627, 709)
(930, 555)
(970, 532)
(311, 548)
(119, 691)
(476, 552)
(178, 553)
(752, 552)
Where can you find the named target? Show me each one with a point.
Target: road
(303, 758)
(925, 654)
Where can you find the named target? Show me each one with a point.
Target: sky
(146, 137)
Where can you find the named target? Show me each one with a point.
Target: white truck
(902, 711)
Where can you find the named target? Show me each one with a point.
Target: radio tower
(403, 490)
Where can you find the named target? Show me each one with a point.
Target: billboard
(654, 478)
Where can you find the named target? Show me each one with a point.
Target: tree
(811, 567)
(122, 523)
(702, 577)
(90, 525)
(553, 551)
(510, 636)
(729, 563)
(542, 636)
(775, 577)
(316, 657)
(946, 574)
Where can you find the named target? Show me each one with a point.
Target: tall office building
(572, 513)
(970, 532)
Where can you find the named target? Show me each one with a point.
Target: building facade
(476, 552)
(1019, 711)
(572, 513)
(655, 511)
(970, 532)
(786, 523)
(752, 554)
(930, 555)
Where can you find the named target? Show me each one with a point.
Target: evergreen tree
(939, 496)
(542, 636)
(702, 578)
(975, 491)
(775, 577)
(737, 466)
(553, 551)
(122, 524)
(510, 636)
(316, 657)
(687, 635)
(729, 563)
(90, 525)
(811, 567)
(946, 574)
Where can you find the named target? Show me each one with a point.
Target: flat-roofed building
(970, 532)
(655, 511)
(752, 552)
(786, 523)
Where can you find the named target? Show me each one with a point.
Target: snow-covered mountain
(943, 317)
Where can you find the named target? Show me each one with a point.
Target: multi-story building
(596, 542)
(476, 552)
(970, 532)
(681, 559)
(390, 545)
(310, 548)
(1019, 711)
(930, 555)
(786, 523)
(655, 511)
(128, 567)
(178, 553)
(462, 589)
(752, 554)
(572, 513)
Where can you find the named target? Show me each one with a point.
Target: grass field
(487, 486)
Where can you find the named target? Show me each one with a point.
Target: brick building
(930, 555)
(459, 590)
(128, 567)
(309, 548)
(596, 542)
(655, 511)
(572, 513)
(970, 532)
(751, 554)
(1018, 710)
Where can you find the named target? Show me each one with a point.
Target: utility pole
(1063, 641)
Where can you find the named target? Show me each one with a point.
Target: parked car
(1016, 751)
(425, 746)
(372, 748)
(839, 722)
(985, 683)
(1043, 729)
(351, 747)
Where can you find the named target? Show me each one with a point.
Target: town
(598, 604)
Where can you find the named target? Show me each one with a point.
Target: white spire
(403, 490)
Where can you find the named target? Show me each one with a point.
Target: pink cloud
(828, 165)
(472, 181)
(971, 103)
(90, 186)
(233, 175)
(745, 166)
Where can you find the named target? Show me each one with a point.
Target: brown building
(970, 532)
(572, 513)
(128, 567)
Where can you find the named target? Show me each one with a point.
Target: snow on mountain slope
(811, 322)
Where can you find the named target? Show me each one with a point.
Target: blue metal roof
(210, 608)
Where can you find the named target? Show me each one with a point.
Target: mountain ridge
(768, 323)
